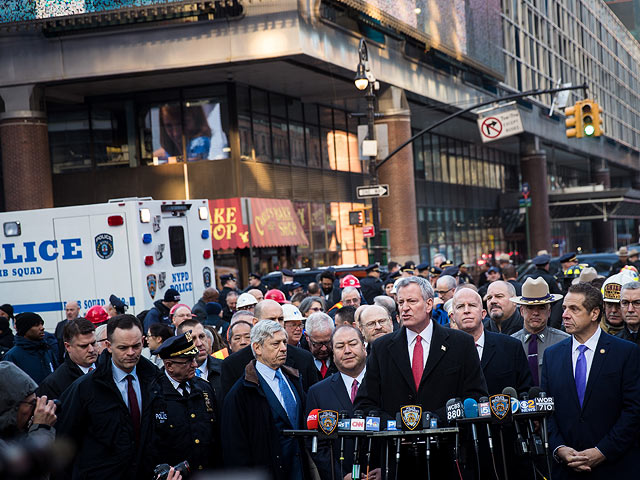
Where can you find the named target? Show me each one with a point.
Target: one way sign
(372, 191)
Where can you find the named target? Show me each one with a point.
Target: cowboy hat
(535, 291)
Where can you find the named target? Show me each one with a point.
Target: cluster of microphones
(527, 413)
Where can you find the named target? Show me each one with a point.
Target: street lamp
(365, 81)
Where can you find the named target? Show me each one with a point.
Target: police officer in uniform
(183, 409)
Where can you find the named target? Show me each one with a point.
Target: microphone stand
(504, 457)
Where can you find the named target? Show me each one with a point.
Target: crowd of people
(216, 383)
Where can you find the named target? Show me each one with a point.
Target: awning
(257, 222)
(585, 203)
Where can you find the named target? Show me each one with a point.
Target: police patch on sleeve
(104, 246)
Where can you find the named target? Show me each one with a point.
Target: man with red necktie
(108, 411)
(318, 329)
(422, 363)
(338, 392)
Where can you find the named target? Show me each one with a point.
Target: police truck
(133, 248)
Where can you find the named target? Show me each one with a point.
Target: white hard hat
(291, 312)
(246, 300)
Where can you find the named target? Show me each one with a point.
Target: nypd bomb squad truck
(134, 248)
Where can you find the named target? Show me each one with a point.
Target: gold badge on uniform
(207, 402)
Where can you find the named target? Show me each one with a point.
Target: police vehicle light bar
(12, 229)
(176, 209)
(115, 220)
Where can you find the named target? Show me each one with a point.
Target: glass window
(259, 101)
(109, 131)
(70, 140)
(244, 123)
(162, 134)
(206, 123)
(435, 157)
(177, 246)
(312, 139)
(280, 140)
(317, 213)
(261, 137)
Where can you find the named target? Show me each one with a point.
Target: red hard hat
(349, 281)
(97, 315)
(276, 295)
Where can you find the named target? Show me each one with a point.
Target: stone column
(533, 165)
(602, 232)
(398, 211)
(24, 146)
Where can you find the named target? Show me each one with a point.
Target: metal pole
(526, 221)
(373, 171)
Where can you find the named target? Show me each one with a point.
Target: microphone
(484, 411)
(471, 411)
(344, 424)
(454, 409)
(544, 402)
(357, 424)
(522, 444)
(534, 439)
(373, 425)
(312, 424)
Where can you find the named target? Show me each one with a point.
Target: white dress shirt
(120, 379)
(426, 335)
(269, 375)
(204, 372)
(589, 353)
(85, 370)
(348, 381)
(176, 384)
(480, 345)
(318, 363)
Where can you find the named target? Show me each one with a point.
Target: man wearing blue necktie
(595, 381)
(266, 400)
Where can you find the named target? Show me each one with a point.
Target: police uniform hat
(453, 271)
(568, 257)
(372, 268)
(394, 275)
(422, 267)
(178, 346)
(435, 271)
(286, 272)
(493, 269)
(226, 277)
(541, 260)
(446, 264)
(118, 304)
(407, 269)
(255, 275)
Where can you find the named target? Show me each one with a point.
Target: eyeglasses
(626, 303)
(293, 326)
(442, 292)
(320, 344)
(316, 309)
(186, 362)
(381, 323)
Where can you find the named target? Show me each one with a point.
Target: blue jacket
(159, 313)
(34, 358)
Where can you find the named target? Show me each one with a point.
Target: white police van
(134, 248)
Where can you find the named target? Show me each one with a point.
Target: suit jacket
(214, 377)
(331, 394)
(233, 367)
(452, 370)
(58, 381)
(330, 370)
(504, 364)
(609, 418)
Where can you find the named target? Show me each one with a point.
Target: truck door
(178, 258)
(104, 267)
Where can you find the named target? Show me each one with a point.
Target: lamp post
(365, 81)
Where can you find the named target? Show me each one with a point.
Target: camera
(161, 471)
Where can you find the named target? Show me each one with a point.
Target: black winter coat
(58, 381)
(183, 428)
(251, 437)
(95, 418)
(371, 287)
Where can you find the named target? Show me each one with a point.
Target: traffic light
(597, 120)
(573, 121)
(356, 218)
(586, 118)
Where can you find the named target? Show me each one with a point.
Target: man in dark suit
(337, 392)
(421, 363)
(318, 330)
(80, 344)
(595, 381)
(502, 357)
(629, 298)
(233, 366)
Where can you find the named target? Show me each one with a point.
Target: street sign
(368, 231)
(372, 191)
(500, 125)
(524, 202)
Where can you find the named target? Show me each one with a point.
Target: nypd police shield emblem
(152, 284)
(206, 276)
(104, 245)
(327, 421)
(411, 415)
(499, 405)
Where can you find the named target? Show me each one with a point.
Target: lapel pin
(602, 350)
(443, 348)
